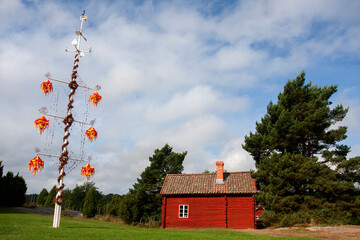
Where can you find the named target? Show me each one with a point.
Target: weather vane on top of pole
(42, 124)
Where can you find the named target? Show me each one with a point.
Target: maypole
(42, 124)
(68, 120)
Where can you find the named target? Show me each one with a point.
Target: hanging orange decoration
(87, 171)
(95, 98)
(35, 164)
(41, 123)
(91, 134)
(46, 87)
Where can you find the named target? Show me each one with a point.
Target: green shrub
(268, 218)
(295, 218)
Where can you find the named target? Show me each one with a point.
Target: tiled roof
(204, 183)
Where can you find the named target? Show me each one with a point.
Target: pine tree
(2, 187)
(1, 169)
(295, 184)
(42, 197)
(113, 206)
(50, 197)
(67, 204)
(12, 189)
(143, 202)
(90, 203)
(78, 194)
(299, 122)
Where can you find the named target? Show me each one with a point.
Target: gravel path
(329, 233)
(49, 211)
(342, 229)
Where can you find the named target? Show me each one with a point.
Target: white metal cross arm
(80, 52)
(61, 81)
(50, 115)
(43, 111)
(57, 156)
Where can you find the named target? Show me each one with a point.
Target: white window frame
(183, 211)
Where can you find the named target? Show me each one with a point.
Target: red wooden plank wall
(163, 212)
(241, 212)
(210, 212)
(204, 212)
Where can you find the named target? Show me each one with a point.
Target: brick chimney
(219, 172)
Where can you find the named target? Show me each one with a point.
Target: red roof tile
(204, 183)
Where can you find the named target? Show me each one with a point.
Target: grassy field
(18, 225)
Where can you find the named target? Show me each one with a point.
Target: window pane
(181, 211)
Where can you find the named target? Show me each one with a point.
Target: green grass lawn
(18, 225)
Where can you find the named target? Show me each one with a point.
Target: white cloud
(349, 99)
(355, 151)
(235, 158)
(123, 79)
(195, 102)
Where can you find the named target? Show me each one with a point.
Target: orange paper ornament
(87, 171)
(36, 164)
(41, 124)
(95, 98)
(46, 87)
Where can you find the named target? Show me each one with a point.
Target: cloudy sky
(194, 74)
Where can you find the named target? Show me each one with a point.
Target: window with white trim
(183, 211)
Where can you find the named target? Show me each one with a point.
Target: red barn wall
(204, 212)
(241, 212)
(209, 212)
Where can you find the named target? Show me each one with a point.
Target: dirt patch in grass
(331, 233)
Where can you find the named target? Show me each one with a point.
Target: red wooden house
(209, 200)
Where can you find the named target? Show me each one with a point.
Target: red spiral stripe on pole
(68, 120)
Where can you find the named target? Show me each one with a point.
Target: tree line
(141, 204)
(77, 199)
(12, 188)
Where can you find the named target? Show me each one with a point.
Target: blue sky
(194, 74)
